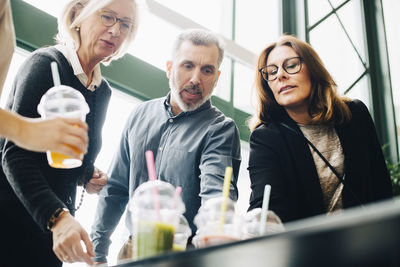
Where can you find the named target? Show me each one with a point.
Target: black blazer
(282, 158)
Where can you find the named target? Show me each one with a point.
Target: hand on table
(67, 236)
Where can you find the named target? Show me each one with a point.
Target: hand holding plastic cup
(253, 222)
(66, 102)
(259, 222)
(216, 221)
(210, 231)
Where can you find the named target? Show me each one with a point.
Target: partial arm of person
(57, 135)
(265, 168)
(222, 150)
(112, 200)
(7, 40)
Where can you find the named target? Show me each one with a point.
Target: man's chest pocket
(179, 167)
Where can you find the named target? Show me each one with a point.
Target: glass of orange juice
(67, 102)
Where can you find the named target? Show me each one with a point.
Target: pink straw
(178, 192)
(151, 169)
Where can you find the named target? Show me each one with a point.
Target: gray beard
(182, 105)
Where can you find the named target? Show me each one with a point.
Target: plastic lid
(62, 99)
(149, 192)
(210, 211)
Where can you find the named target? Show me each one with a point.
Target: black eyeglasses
(291, 65)
(109, 19)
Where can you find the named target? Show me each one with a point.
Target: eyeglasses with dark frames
(291, 65)
(109, 19)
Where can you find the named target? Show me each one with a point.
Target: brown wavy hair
(325, 105)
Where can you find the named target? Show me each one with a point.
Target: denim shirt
(191, 150)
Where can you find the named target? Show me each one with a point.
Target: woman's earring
(77, 29)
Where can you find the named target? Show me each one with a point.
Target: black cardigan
(27, 182)
(282, 158)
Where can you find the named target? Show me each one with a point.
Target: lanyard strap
(341, 179)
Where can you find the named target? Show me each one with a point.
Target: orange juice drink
(65, 102)
(61, 161)
(212, 240)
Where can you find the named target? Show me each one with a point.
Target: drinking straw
(178, 192)
(225, 195)
(152, 177)
(151, 169)
(264, 209)
(55, 74)
(57, 82)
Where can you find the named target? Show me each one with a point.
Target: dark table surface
(367, 236)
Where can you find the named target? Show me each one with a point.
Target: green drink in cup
(182, 234)
(153, 238)
(155, 211)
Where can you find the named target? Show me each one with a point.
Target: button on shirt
(191, 150)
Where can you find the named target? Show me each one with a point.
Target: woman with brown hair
(319, 151)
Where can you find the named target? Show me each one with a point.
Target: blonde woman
(38, 200)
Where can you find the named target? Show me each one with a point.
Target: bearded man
(192, 141)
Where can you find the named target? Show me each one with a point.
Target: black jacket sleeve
(265, 167)
(380, 186)
(24, 169)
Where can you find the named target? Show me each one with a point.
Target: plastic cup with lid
(182, 234)
(155, 209)
(66, 102)
(272, 225)
(211, 230)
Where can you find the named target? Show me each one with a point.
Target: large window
(339, 30)
(215, 15)
(336, 32)
(392, 21)
(257, 23)
(49, 6)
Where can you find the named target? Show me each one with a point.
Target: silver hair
(68, 21)
(199, 37)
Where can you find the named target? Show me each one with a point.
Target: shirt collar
(72, 57)
(168, 107)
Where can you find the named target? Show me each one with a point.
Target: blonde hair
(325, 105)
(67, 22)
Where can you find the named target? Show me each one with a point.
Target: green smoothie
(153, 238)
